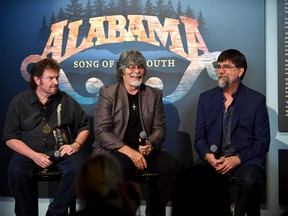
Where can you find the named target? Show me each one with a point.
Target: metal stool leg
(35, 198)
(151, 178)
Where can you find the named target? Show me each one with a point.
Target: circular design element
(93, 85)
(155, 82)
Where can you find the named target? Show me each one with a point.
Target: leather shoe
(48, 213)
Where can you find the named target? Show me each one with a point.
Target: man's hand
(137, 158)
(224, 164)
(69, 149)
(146, 149)
(210, 158)
(41, 160)
(228, 163)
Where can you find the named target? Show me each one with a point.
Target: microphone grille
(214, 148)
(143, 135)
(57, 154)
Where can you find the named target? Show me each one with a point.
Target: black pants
(168, 167)
(201, 191)
(248, 188)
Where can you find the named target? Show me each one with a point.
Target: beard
(136, 83)
(223, 82)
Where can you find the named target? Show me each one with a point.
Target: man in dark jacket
(232, 131)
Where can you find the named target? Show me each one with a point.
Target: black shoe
(161, 212)
(48, 213)
(147, 211)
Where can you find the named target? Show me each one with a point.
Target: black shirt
(134, 125)
(33, 123)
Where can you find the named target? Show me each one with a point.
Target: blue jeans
(20, 175)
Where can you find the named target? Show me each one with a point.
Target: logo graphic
(88, 50)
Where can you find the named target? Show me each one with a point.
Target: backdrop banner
(180, 40)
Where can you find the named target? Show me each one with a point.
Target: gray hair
(126, 58)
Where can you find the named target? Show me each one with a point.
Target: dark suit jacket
(112, 114)
(250, 130)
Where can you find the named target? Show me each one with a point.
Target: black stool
(150, 178)
(48, 174)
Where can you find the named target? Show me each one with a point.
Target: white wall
(278, 140)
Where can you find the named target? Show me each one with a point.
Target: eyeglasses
(134, 67)
(224, 67)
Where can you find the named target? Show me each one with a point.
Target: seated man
(232, 131)
(42, 124)
(126, 109)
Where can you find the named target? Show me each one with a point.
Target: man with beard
(44, 127)
(232, 133)
(126, 109)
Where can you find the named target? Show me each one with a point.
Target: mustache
(221, 76)
(136, 75)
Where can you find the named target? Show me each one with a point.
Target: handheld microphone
(214, 149)
(143, 137)
(56, 155)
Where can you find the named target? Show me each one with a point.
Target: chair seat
(146, 176)
(230, 178)
(47, 174)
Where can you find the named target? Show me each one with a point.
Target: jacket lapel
(238, 107)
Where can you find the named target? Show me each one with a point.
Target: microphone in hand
(215, 150)
(143, 137)
(56, 155)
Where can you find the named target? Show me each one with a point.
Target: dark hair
(99, 179)
(236, 57)
(38, 69)
(126, 58)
